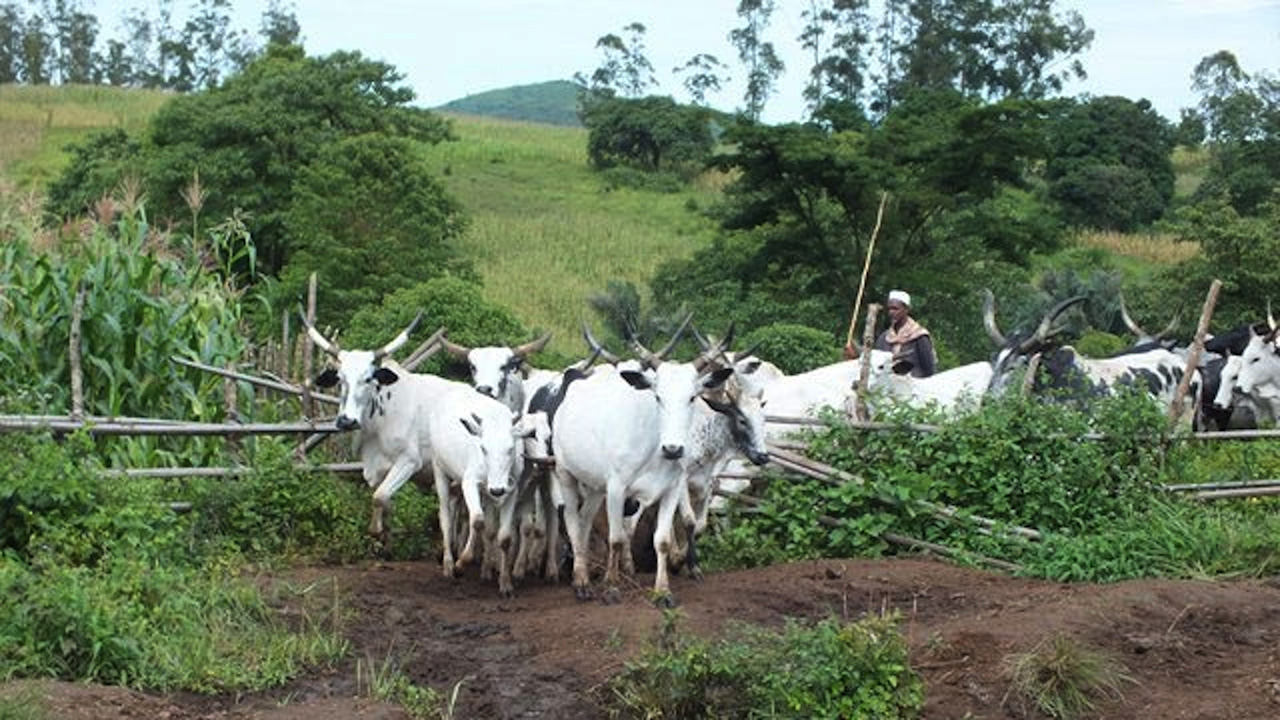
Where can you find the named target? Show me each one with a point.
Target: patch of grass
(1064, 679)
(386, 682)
(1190, 165)
(22, 701)
(830, 669)
(1153, 249)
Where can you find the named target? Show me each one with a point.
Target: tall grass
(547, 232)
(1149, 248)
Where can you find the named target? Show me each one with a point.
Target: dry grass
(1063, 679)
(1157, 249)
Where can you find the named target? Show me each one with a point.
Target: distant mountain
(550, 103)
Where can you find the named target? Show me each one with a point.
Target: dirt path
(1195, 649)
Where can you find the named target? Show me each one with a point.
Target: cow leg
(506, 522)
(552, 502)
(578, 509)
(398, 475)
(662, 538)
(475, 515)
(445, 512)
(619, 539)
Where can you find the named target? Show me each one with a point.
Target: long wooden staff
(866, 268)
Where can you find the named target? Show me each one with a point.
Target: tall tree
(757, 54)
(703, 74)
(279, 24)
(37, 51)
(1228, 104)
(116, 69)
(140, 49)
(212, 44)
(626, 69)
(840, 74)
(76, 33)
(11, 33)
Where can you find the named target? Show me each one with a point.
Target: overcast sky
(449, 49)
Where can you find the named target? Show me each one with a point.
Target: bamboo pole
(77, 375)
(254, 380)
(1237, 493)
(308, 403)
(1190, 487)
(107, 426)
(866, 269)
(429, 347)
(218, 472)
(231, 400)
(1193, 356)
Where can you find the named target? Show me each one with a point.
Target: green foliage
(277, 511)
(368, 218)
(454, 303)
(1234, 248)
(651, 134)
(1063, 679)
(793, 348)
(251, 136)
(830, 669)
(1111, 168)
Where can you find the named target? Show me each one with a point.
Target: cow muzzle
(497, 492)
(758, 458)
(673, 452)
(346, 423)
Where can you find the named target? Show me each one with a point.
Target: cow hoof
(664, 601)
(506, 594)
(612, 596)
(695, 573)
(583, 593)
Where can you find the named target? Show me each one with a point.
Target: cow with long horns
(500, 372)
(622, 435)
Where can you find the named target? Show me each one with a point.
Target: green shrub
(793, 348)
(830, 669)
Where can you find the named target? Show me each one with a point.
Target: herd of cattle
(527, 450)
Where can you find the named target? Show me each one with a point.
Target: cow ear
(751, 366)
(636, 379)
(717, 378)
(472, 424)
(327, 379)
(723, 408)
(385, 376)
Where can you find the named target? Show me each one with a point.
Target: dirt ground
(1194, 649)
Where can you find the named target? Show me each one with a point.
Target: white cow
(477, 449)
(501, 372)
(1259, 376)
(622, 435)
(953, 391)
(389, 406)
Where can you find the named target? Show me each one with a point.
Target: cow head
(1013, 352)
(1227, 378)
(359, 374)
(499, 457)
(743, 406)
(676, 386)
(1259, 364)
(496, 371)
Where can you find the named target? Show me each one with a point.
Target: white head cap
(900, 296)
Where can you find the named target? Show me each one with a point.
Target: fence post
(77, 376)
(864, 372)
(308, 403)
(1197, 347)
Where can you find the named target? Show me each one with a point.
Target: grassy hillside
(37, 122)
(547, 232)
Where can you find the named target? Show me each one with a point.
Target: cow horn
(1042, 332)
(456, 350)
(532, 346)
(1128, 320)
(1271, 319)
(715, 354)
(1173, 325)
(597, 350)
(989, 319)
(399, 340)
(671, 344)
(320, 340)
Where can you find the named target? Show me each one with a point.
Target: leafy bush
(831, 669)
(793, 348)
(456, 304)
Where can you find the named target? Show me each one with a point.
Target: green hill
(552, 103)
